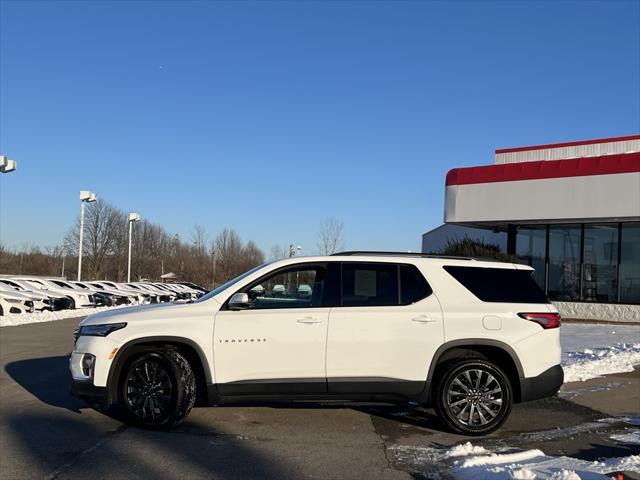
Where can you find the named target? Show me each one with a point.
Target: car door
(385, 332)
(277, 345)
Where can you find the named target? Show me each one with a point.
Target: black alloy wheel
(158, 389)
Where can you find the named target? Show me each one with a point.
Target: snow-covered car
(113, 297)
(79, 298)
(154, 297)
(195, 286)
(179, 294)
(162, 295)
(467, 336)
(14, 302)
(142, 298)
(182, 292)
(41, 300)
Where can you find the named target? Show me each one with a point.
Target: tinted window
(630, 264)
(292, 288)
(413, 286)
(499, 284)
(600, 265)
(564, 262)
(369, 284)
(531, 247)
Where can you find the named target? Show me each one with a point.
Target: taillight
(545, 320)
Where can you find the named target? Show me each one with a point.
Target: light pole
(7, 165)
(85, 197)
(133, 217)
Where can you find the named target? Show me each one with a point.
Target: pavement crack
(85, 452)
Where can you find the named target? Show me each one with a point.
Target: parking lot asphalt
(46, 433)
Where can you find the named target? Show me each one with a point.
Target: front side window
(300, 287)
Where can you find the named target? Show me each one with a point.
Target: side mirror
(239, 301)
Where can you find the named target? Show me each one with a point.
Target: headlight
(13, 300)
(100, 330)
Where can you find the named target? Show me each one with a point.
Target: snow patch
(470, 462)
(590, 351)
(631, 438)
(46, 316)
(592, 363)
(464, 450)
(497, 459)
(523, 474)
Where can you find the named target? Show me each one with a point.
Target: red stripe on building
(578, 167)
(569, 144)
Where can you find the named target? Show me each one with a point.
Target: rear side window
(504, 285)
(413, 286)
(382, 284)
(373, 285)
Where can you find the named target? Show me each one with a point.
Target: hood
(136, 313)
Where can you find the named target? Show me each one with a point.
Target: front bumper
(87, 391)
(544, 385)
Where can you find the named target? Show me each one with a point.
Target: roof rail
(356, 253)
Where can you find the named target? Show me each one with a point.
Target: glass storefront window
(531, 244)
(600, 263)
(630, 263)
(564, 262)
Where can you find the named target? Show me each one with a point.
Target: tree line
(208, 261)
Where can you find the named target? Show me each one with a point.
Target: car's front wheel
(158, 388)
(474, 397)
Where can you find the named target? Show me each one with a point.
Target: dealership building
(570, 210)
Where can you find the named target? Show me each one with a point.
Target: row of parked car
(29, 294)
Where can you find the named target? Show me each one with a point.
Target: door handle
(309, 320)
(423, 319)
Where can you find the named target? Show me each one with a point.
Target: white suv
(469, 337)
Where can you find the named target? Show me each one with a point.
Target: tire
(473, 397)
(157, 389)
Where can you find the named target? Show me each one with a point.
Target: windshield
(231, 282)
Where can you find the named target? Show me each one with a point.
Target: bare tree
(277, 252)
(154, 251)
(228, 248)
(331, 236)
(199, 238)
(102, 222)
(251, 256)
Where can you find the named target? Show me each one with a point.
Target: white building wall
(614, 197)
(575, 151)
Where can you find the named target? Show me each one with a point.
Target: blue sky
(267, 117)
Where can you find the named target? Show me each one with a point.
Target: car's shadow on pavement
(56, 443)
(405, 414)
(47, 379)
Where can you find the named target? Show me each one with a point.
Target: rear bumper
(546, 384)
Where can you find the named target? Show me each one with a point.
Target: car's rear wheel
(158, 389)
(474, 397)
